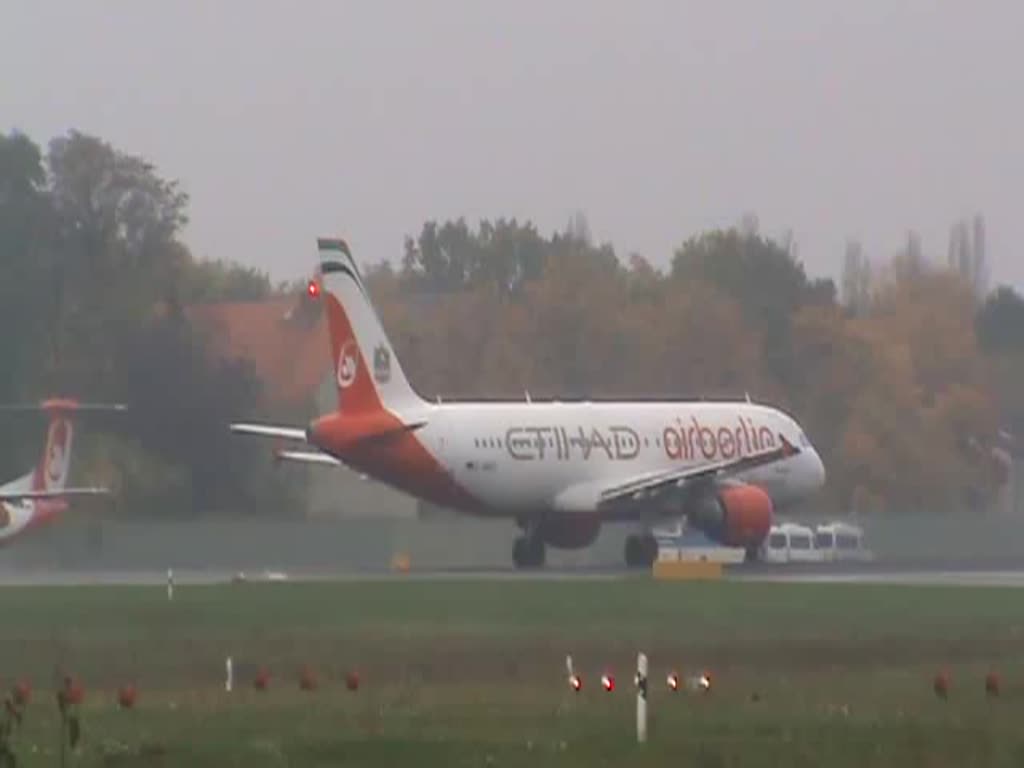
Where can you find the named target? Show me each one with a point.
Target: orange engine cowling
(567, 531)
(736, 515)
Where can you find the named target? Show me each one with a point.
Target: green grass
(472, 673)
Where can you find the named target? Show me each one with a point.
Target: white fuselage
(527, 457)
(15, 517)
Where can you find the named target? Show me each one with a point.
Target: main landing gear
(641, 550)
(528, 551)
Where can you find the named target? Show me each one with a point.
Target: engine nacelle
(570, 531)
(736, 515)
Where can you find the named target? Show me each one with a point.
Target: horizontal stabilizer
(268, 430)
(65, 405)
(308, 457)
(60, 493)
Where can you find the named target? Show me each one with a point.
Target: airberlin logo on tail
(56, 460)
(348, 364)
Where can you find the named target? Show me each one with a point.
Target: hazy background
(656, 119)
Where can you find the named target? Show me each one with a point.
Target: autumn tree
(93, 274)
(764, 279)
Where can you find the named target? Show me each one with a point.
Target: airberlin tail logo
(348, 364)
(56, 458)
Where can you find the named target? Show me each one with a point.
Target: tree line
(909, 382)
(94, 280)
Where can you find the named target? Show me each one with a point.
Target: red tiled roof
(284, 338)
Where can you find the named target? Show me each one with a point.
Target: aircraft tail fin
(367, 373)
(50, 474)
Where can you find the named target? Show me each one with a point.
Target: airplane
(559, 469)
(42, 495)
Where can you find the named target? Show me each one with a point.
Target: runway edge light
(608, 681)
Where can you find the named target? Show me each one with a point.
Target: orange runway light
(992, 684)
(126, 696)
(704, 682)
(307, 680)
(22, 693)
(352, 681)
(608, 681)
(576, 683)
(262, 681)
(672, 681)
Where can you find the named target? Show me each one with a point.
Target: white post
(641, 698)
(229, 680)
(170, 584)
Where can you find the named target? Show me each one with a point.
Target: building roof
(284, 338)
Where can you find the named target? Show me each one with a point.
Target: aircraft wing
(62, 493)
(309, 457)
(645, 486)
(269, 430)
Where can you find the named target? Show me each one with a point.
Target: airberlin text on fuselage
(683, 441)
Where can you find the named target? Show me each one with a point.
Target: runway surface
(916, 577)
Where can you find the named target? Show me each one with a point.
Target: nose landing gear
(528, 551)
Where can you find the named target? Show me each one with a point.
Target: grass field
(471, 673)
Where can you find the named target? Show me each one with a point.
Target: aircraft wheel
(528, 552)
(641, 551)
(634, 556)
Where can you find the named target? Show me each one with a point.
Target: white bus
(790, 543)
(841, 541)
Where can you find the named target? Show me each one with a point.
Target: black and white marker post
(641, 698)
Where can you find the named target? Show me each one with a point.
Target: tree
(763, 278)
(856, 279)
(117, 221)
(181, 403)
(1000, 322)
(451, 257)
(223, 281)
(25, 285)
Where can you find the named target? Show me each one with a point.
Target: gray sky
(657, 119)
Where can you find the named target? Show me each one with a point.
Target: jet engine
(734, 515)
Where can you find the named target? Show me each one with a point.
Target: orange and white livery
(560, 469)
(40, 496)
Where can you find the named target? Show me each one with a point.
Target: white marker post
(170, 584)
(229, 679)
(641, 698)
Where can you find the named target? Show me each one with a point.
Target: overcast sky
(285, 121)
